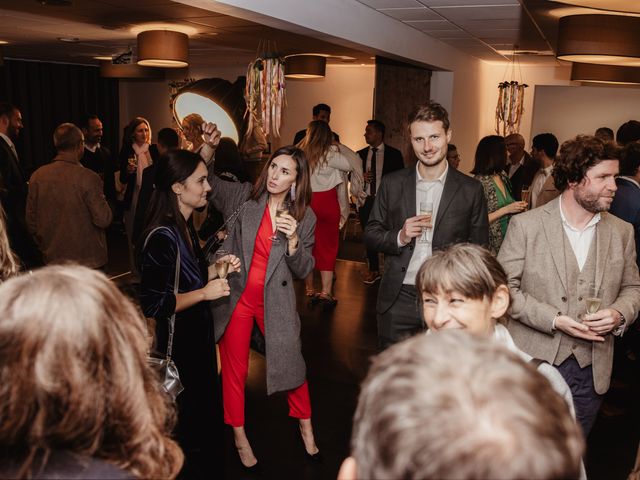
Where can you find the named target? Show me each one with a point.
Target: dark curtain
(49, 94)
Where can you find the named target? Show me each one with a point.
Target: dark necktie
(372, 188)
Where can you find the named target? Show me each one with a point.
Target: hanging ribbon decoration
(510, 102)
(265, 92)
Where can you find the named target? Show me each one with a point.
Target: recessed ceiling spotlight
(54, 3)
(69, 39)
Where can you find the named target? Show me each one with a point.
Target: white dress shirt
(515, 166)
(426, 191)
(580, 240)
(379, 165)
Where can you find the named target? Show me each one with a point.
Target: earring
(292, 194)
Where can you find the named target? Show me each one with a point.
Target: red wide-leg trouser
(234, 358)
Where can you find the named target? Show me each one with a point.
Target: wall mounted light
(601, 39)
(163, 48)
(305, 66)
(588, 72)
(610, 5)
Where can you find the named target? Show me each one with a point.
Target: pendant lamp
(163, 48)
(587, 72)
(627, 6)
(305, 66)
(601, 39)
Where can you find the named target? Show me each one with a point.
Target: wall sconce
(128, 70)
(305, 66)
(163, 48)
(601, 39)
(610, 5)
(587, 72)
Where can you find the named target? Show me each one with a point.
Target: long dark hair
(229, 160)
(174, 167)
(491, 156)
(303, 185)
(316, 143)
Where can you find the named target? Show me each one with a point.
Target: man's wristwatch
(619, 330)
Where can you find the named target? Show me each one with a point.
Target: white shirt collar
(379, 148)
(596, 218)
(440, 179)
(547, 170)
(92, 149)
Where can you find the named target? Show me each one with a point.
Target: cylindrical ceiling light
(588, 72)
(305, 66)
(626, 6)
(601, 39)
(163, 48)
(119, 70)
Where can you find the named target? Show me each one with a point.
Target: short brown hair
(431, 112)
(578, 155)
(455, 405)
(74, 376)
(67, 137)
(465, 268)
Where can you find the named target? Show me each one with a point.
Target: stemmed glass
(222, 263)
(283, 208)
(426, 208)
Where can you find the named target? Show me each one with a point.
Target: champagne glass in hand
(593, 301)
(426, 208)
(283, 208)
(222, 260)
(525, 193)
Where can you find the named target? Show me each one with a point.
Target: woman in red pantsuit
(262, 292)
(329, 163)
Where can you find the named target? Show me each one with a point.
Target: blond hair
(9, 264)
(455, 405)
(74, 376)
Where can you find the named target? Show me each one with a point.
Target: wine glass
(283, 208)
(426, 208)
(222, 263)
(525, 193)
(593, 300)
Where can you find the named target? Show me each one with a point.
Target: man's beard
(591, 203)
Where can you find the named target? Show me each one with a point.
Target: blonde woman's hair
(74, 376)
(316, 143)
(194, 120)
(9, 264)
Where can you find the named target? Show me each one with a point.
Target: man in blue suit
(626, 203)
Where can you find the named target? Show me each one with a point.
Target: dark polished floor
(337, 345)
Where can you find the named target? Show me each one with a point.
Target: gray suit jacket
(285, 366)
(462, 217)
(535, 265)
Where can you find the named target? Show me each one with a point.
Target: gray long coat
(285, 366)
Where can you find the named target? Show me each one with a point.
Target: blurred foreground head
(74, 378)
(453, 405)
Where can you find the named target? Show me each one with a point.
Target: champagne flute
(222, 263)
(426, 208)
(282, 209)
(525, 193)
(593, 301)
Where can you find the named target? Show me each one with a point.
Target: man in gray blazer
(397, 228)
(564, 256)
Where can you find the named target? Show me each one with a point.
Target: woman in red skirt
(274, 251)
(329, 163)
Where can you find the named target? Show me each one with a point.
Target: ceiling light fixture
(69, 39)
(586, 72)
(610, 5)
(163, 48)
(600, 39)
(3, 42)
(305, 66)
(128, 70)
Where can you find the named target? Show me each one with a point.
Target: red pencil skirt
(327, 209)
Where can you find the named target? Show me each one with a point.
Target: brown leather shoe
(370, 278)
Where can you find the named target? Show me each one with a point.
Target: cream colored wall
(348, 90)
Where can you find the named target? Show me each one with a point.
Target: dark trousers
(401, 321)
(585, 399)
(364, 212)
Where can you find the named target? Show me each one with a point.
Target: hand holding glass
(525, 193)
(222, 260)
(282, 209)
(593, 301)
(426, 208)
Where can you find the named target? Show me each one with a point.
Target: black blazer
(461, 217)
(523, 176)
(13, 197)
(130, 178)
(391, 162)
